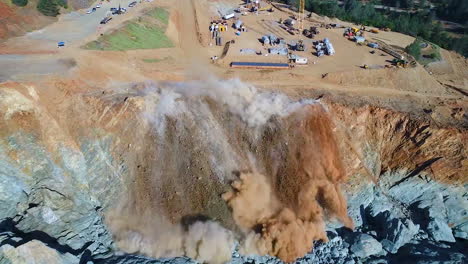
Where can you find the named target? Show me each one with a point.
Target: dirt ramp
(410, 79)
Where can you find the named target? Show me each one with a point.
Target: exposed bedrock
(139, 172)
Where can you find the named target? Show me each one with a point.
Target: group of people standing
(217, 27)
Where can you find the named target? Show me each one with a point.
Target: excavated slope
(164, 170)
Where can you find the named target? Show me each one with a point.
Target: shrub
(20, 2)
(48, 7)
(435, 55)
(414, 49)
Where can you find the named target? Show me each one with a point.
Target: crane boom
(301, 14)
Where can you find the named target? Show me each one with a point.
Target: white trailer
(229, 16)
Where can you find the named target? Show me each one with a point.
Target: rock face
(366, 246)
(64, 164)
(439, 230)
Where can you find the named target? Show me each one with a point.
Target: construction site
(261, 31)
(226, 131)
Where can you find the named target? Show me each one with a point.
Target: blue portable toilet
(61, 44)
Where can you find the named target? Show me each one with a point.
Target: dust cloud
(205, 130)
(284, 220)
(242, 99)
(152, 235)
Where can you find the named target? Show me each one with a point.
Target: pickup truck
(91, 10)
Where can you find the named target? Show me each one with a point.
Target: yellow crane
(301, 14)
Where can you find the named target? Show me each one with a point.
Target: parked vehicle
(105, 20)
(132, 4)
(98, 6)
(89, 11)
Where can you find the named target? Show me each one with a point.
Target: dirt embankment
(16, 21)
(381, 140)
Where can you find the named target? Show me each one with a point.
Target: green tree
(20, 2)
(48, 7)
(436, 34)
(414, 49)
(422, 3)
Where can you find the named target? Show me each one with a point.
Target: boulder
(440, 231)
(387, 245)
(366, 246)
(457, 214)
(34, 251)
(400, 232)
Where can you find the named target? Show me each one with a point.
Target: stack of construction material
(329, 47)
(320, 47)
(248, 51)
(359, 39)
(270, 39)
(278, 51)
(238, 24)
(273, 39)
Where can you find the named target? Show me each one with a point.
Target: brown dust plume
(283, 216)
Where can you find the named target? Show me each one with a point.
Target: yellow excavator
(400, 63)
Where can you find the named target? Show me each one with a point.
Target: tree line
(452, 10)
(421, 24)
